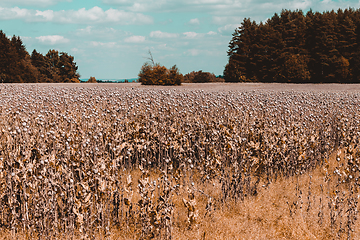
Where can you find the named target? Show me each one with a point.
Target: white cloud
(14, 13)
(211, 33)
(329, 4)
(165, 47)
(24, 38)
(171, 5)
(190, 34)
(99, 32)
(221, 5)
(302, 4)
(135, 39)
(228, 29)
(40, 3)
(223, 20)
(142, 5)
(93, 15)
(326, 1)
(194, 21)
(103, 44)
(160, 34)
(88, 30)
(52, 39)
(98, 15)
(47, 15)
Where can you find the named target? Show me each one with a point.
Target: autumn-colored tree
(175, 76)
(67, 68)
(156, 74)
(17, 66)
(47, 73)
(91, 80)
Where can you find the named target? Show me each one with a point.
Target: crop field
(225, 161)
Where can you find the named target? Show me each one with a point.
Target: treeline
(293, 47)
(160, 75)
(18, 66)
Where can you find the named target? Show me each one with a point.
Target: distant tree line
(18, 66)
(293, 47)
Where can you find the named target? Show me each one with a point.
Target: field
(198, 161)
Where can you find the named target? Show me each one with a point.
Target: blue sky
(112, 38)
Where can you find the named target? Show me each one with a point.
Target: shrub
(201, 77)
(72, 80)
(155, 74)
(175, 75)
(92, 80)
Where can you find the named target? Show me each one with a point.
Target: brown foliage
(159, 75)
(201, 77)
(17, 66)
(92, 80)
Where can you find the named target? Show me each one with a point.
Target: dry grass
(176, 163)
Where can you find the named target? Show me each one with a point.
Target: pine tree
(8, 60)
(321, 44)
(19, 47)
(355, 61)
(347, 43)
(241, 51)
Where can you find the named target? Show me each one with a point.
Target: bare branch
(151, 59)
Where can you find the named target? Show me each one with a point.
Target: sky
(111, 39)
